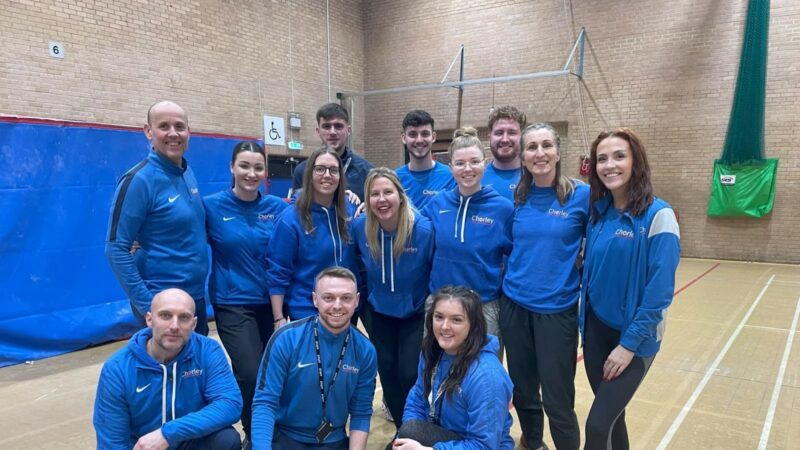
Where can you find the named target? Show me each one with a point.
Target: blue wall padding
(57, 292)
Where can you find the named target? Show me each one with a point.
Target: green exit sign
(295, 145)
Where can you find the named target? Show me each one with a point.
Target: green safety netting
(744, 182)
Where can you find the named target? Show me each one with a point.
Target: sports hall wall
(227, 63)
(666, 69)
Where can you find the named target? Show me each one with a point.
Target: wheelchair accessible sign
(274, 131)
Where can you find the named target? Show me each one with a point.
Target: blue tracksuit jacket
(478, 411)
(422, 186)
(296, 256)
(541, 275)
(503, 181)
(187, 398)
(629, 272)
(158, 204)
(472, 236)
(239, 233)
(287, 394)
(397, 288)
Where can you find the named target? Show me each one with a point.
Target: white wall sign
(55, 49)
(274, 131)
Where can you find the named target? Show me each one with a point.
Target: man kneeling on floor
(317, 372)
(169, 387)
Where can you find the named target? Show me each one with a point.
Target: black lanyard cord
(322, 394)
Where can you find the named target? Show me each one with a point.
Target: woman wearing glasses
(310, 236)
(471, 228)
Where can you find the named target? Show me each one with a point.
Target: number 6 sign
(55, 49)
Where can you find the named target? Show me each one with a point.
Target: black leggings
(397, 343)
(244, 331)
(605, 426)
(425, 433)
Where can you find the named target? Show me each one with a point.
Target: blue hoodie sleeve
(282, 252)
(487, 402)
(416, 404)
(128, 213)
(663, 256)
(267, 398)
(220, 391)
(361, 401)
(111, 418)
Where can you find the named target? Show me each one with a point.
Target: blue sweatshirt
(504, 181)
(472, 237)
(158, 204)
(239, 232)
(187, 398)
(421, 186)
(629, 272)
(478, 411)
(397, 288)
(287, 393)
(356, 169)
(296, 257)
(541, 275)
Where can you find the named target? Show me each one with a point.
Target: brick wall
(227, 63)
(665, 69)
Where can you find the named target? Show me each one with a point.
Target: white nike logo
(301, 365)
(140, 389)
(227, 218)
(442, 211)
(310, 232)
(172, 199)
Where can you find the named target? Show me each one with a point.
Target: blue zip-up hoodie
(472, 237)
(158, 204)
(397, 288)
(541, 275)
(296, 257)
(287, 391)
(478, 411)
(504, 181)
(239, 232)
(421, 186)
(187, 398)
(629, 272)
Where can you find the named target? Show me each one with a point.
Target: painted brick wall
(227, 63)
(665, 69)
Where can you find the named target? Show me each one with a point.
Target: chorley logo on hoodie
(480, 220)
(191, 373)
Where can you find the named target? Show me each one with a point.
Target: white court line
(699, 389)
(776, 391)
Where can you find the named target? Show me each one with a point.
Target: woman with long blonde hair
(395, 244)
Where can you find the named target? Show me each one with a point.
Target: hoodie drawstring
(174, 385)
(463, 217)
(164, 395)
(383, 261)
(336, 260)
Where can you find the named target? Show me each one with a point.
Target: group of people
(446, 267)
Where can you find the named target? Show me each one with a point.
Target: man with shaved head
(169, 387)
(158, 205)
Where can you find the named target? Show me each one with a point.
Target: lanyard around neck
(322, 394)
(433, 400)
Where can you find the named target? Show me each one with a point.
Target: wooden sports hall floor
(727, 376)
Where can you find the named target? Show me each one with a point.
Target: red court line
(685, 286)
(696, 279)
